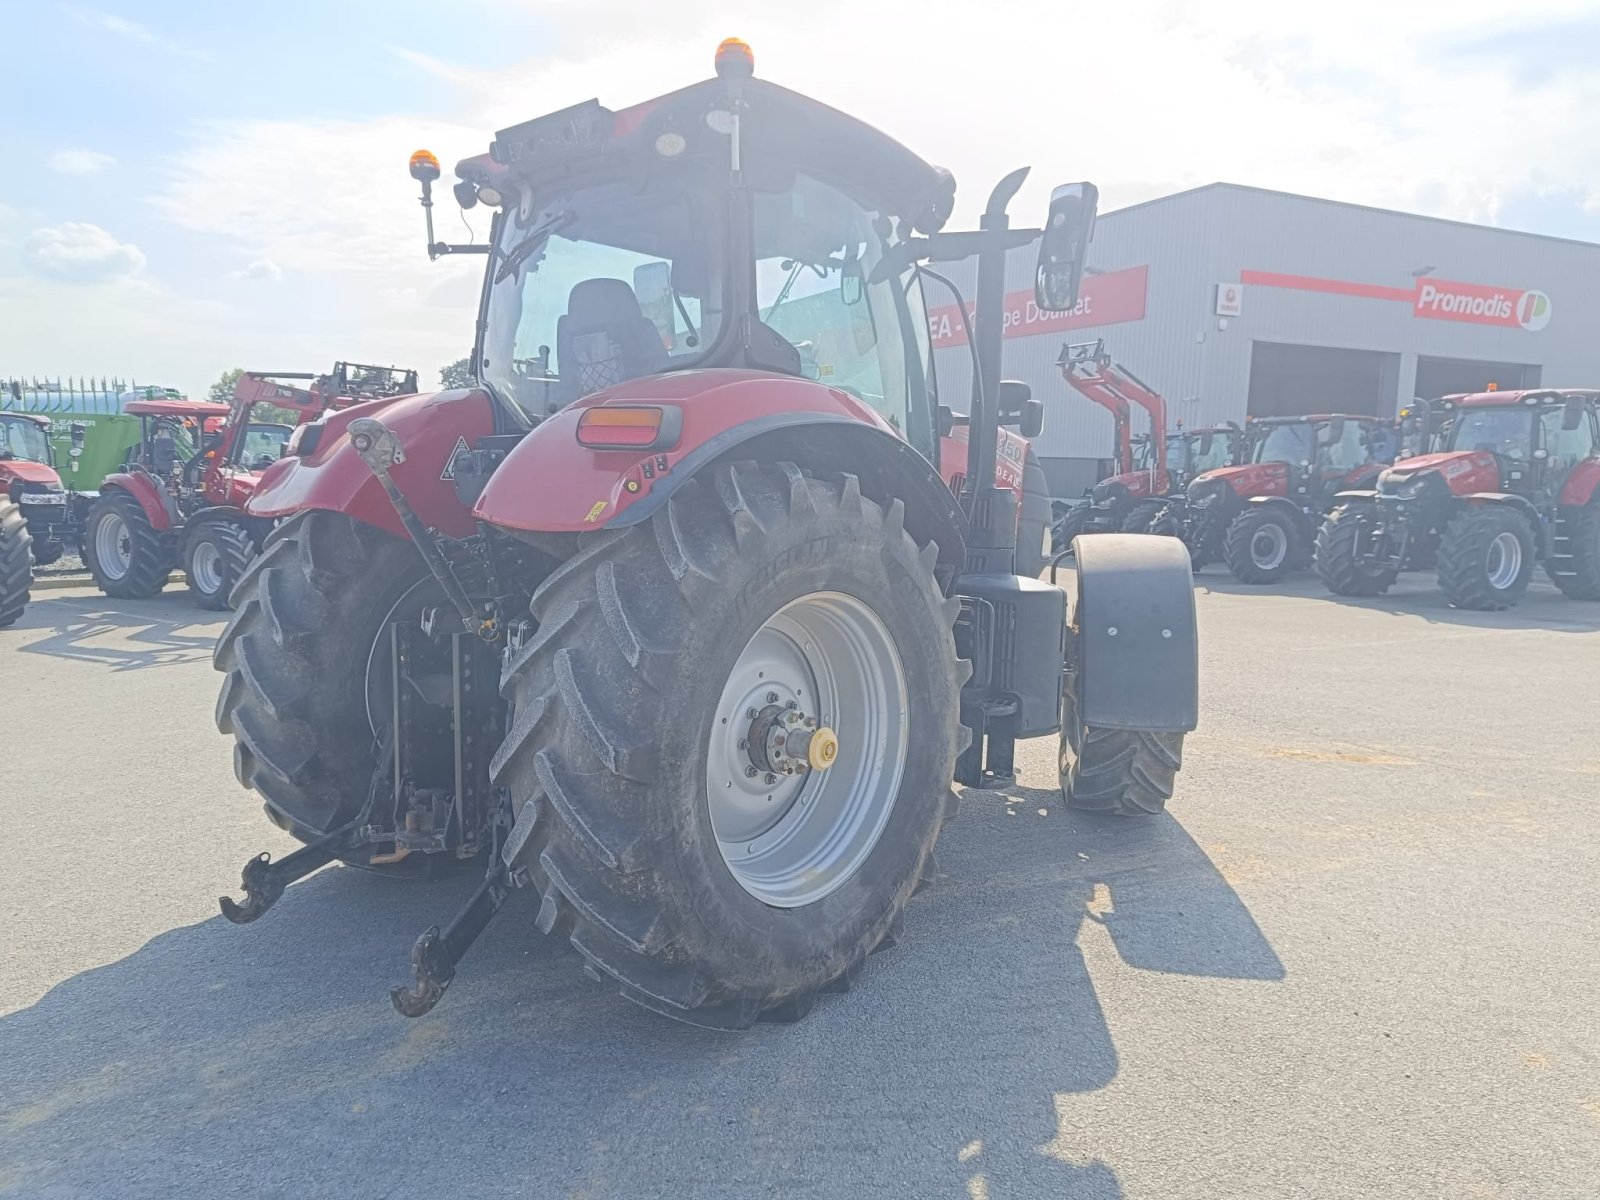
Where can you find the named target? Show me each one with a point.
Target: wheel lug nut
(749, 772)
(751, 713)
(744, 743)
(771, 779)
(791, 704)
(772, 697)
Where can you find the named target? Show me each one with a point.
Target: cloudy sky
(192, 187)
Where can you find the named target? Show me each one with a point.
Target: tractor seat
(604, 339)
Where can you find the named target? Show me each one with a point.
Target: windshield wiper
(534, 241)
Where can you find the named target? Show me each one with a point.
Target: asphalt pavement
(1358, 958)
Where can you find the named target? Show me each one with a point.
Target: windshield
(20, 438)
(1208, 458)
(1286, 444)
(263, 444)
(1505, 431)
(600, 284)
(816, 250)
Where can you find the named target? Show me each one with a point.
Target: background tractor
(33, 508)
(181, 494)
(1515, 481)
(1261, 516)
(1152, 468)
(686, 636)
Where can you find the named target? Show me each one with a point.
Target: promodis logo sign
(1481, 305)
(1431, 299)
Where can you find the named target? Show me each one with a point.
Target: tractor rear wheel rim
(1269, 545)
(791, 839)
(1504, 560)
(113, 546)
(205, 567)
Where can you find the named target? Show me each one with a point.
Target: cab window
(1567, 447)
(816, 252)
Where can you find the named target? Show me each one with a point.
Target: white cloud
(77, 252)
(79, 162)
(121, 27)
(262, 269)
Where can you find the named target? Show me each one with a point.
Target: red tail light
(629, 427)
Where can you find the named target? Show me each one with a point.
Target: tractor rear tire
(1259, 546)
(1486, 558)
(1033, 522)
(1068, 526)
(16, 562)
(129, 558)
(1335, 557)
(647, 830)
(1120, 772)
(1581, 579)
(299, 653)
(218, 554)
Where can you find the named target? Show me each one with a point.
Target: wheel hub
(785, 741)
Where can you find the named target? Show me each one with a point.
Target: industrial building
(1236, 301)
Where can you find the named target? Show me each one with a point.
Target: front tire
(1259, 546)
(16, 562)
(218, 554)
(1486, 558)
(624, 709)
(1120, 772)
(1069, 525)
(1143, 516)
(1335, 558)
(129, 558)
(1579, 577)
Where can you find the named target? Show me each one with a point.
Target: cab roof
(1312, 418)
(1524, 396)
(175, 408)
(38, 419)
(776, 124)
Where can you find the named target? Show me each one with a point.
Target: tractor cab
(763, 232)
(25, 437)
(170, 434)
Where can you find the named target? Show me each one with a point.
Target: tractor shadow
(939, 1074)
(124, 635)
(1416, 595)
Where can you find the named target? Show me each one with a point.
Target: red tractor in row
(33, 508)
(688, 643)
(1515, 482)
(181, 496)
(1261, 516)
(1152, 468)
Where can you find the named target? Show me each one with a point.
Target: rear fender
(1358, 494)
(431, 429)
(550, 484)
(157, 505)
(1288, 508)
(1136, 648)
(210, 516)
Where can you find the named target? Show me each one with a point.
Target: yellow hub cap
(823, 750)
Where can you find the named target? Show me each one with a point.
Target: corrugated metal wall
(1196, 240)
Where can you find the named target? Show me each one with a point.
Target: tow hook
(264, 880)
(378, 447)
(435, 956)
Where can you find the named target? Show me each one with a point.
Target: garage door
(1449, 376)
(1290, 381)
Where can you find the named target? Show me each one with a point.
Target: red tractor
(1152, 468)
(33, 508)
(683, 641)
(1515, 481)
(181, 496)
(1262, 515)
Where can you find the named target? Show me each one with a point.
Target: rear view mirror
(1064, 245)
(1336, 429)
(652, 287)
(1572, 413)
(1207, 440)
(852, 281)
(1017, 407)
(1031, 423)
